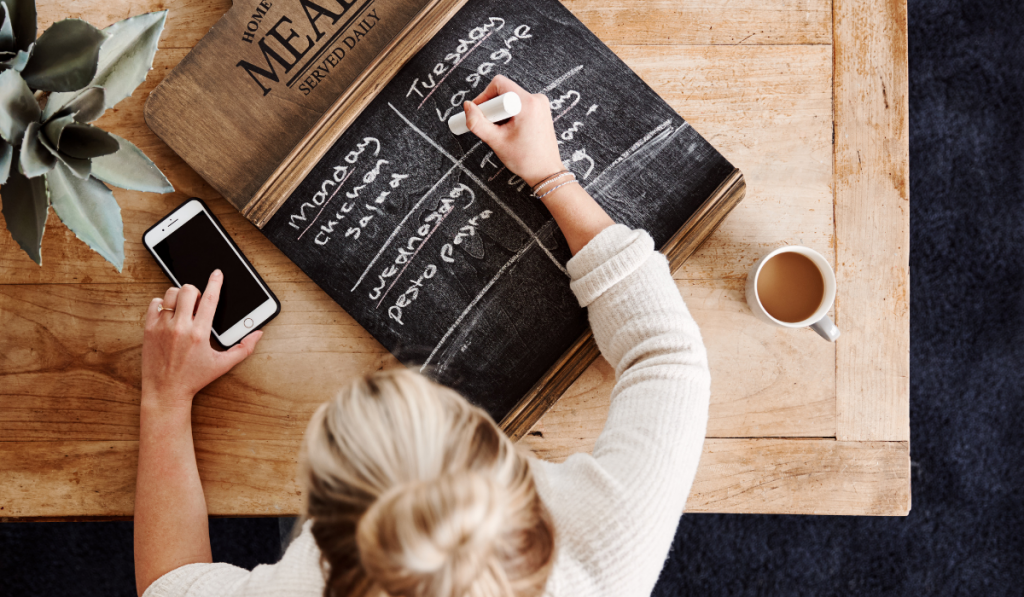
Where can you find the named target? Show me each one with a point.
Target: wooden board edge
(703, 223)
(343, 112)
(550, 387)
(87, 481)
(802, 476)
(872, 220)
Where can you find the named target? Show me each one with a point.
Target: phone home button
(248, 322)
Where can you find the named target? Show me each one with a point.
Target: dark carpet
(964, 534)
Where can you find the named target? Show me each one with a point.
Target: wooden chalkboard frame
(347, 108)
(344, 111)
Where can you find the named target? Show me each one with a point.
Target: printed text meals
(287, 42)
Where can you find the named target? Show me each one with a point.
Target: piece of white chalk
(504, 106)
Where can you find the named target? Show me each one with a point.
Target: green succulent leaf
(16, 60)
(6, 153)
(77, 166)
(35, 159)
(25, 207)
(65, 57)
(86, 141)
(17, 106)
(87, 105)
(129, 168)
(52, 129)
(125, 59)
(22, 16)
(89, 209)
(6, 30)
(74, 143)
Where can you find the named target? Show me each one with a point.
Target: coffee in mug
(794, 287)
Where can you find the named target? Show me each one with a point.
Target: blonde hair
(414, 492)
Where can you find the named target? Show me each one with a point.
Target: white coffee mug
(818, 321)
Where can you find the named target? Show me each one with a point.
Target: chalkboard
(437, 249)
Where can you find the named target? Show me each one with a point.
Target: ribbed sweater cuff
(613, 254)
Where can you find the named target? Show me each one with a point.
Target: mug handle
(826, 329)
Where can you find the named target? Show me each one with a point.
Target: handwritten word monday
(308, 214)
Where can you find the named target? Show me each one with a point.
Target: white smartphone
(189, 243)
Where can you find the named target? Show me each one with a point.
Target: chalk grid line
(408, 215)
(458, 164)
(569, 74)
(483, 186)
(662, 128)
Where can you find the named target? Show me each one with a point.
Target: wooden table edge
(749, 476)
(872, 219)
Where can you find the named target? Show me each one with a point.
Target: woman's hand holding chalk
(500, 108)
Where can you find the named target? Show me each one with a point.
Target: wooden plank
(257, 478)
(872, 221)
(782, 476)
(766, 108)
(803, 477)
(71, 366)
(747, 22)
(769, 111)
(187, 20)
(85, 479)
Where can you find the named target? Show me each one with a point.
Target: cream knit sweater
(616, 511)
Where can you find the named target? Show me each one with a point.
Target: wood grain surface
(769, 111)
(755, 78)
(872, 221)
(257, 477)
(728, 22)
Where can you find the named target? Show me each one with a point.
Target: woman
(412, 491)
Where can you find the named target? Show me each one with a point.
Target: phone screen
(197, 248)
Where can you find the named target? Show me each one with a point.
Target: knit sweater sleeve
(616, 510)
(296, 575)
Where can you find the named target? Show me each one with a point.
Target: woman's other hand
(526, 144)
(177, 358)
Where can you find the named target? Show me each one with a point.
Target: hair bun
(435, 538)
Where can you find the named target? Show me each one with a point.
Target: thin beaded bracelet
(558, 186)
(540, 185)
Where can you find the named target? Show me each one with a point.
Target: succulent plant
(51, 88)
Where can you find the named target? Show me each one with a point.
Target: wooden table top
(808, 99)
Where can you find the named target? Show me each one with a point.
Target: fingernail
(216, 273)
